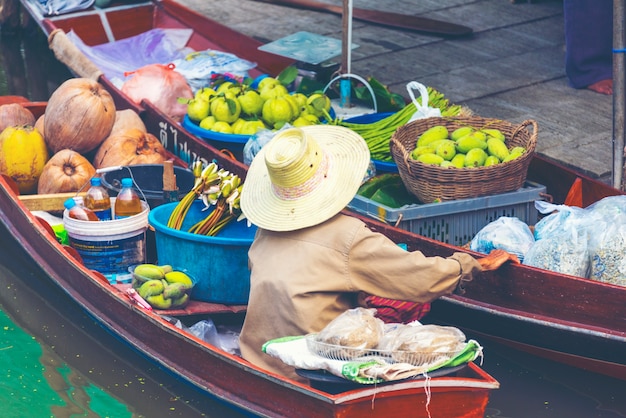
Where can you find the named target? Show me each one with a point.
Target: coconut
(67, 171)
(14, 114)
(129, 147)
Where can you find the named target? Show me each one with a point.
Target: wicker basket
(430, 183)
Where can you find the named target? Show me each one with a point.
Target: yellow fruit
(225, 108)
(432, 134)
(23, 156)
(318, 104)
(463, 145)
(175, 290)
(198, 109)
(458, 161)
(237, 125)
(432, 159)
(179, 277)
(514, 153)
(446, 150)
(205, 93)
(222, 127)
(149, 271)
(251, 127)
(425, 149)
(494, 133)
(151, 288)
(251, 102)
(447, 164)
(491, 160)
(461, 132)
(159, 302)
(273, 91)
(181, 301)
(475, 157)
(207, 123)
(277, 110)
(497, 148)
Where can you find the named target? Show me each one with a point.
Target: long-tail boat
(565, 318)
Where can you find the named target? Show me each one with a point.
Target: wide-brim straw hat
(304, 176)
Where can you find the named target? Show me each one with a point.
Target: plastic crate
(456, 221)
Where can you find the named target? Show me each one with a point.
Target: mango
(424, 149)
(148, 271)
(475, 157)
(458, 161)
(180, 302)
(470, 141)
(179, 277)
(491, 160)
(151, 288)
(446, 150)
(494, 133)
(175, 290)
(432, 134)
(461, 132)
(432, 159)
(497, 148)
(514, 153)
(159, 302)
(447, 164)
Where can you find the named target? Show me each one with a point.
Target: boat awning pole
(346, 54)
(619, 95)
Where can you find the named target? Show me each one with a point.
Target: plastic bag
(507, 233)
(162, 85)
(355, 328)
(423, 111)
(556, 221)
(198, 67)
(565, 251)
(607, 245)
(156, 46)
(258, 141)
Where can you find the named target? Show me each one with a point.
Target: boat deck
(511, 68)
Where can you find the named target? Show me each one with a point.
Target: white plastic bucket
(110, 247)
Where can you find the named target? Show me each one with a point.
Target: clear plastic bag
(355, 328)
(607, 246)
(565, 251)
(156, 46)
(423, 110)
(198, 67)
(507, 233)
(555, 221)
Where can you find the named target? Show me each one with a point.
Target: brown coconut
(130, 147)
(67, 171)
(79, 116)
(126, 119)
(14, 114)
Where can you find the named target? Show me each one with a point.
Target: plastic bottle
(97, 199)
(127, 202)
(79, 212)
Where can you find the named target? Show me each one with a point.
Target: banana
(151, 288)
(159, 302)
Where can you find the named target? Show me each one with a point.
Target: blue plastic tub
(219, 264)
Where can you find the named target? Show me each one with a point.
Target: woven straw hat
(304, 176)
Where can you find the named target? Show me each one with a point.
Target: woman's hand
(496, 259)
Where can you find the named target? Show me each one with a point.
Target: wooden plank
(47, 202)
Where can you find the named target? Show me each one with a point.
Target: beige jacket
(301, 280)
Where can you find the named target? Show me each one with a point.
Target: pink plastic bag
(162, 85)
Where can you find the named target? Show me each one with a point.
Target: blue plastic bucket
(219, 264)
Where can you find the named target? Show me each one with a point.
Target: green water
(35, 380)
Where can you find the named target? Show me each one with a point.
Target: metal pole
(618, 93)
(346, 54)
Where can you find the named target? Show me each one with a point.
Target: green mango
(151, 288)
(424, 149)
(461, 132)
(432, 134)
(475, 157)
(497, 148)
(468, 142)
(458, 161)
(494, 133)
(446, 150)
(159, 302)
(491, 160)
(432, 159)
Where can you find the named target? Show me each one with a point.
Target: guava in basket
(163, 287)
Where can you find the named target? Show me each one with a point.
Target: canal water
(57, 362)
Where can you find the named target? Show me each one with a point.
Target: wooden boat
(564, 318)
(212, 371)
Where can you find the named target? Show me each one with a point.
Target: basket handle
(405, 153)
(533, 135)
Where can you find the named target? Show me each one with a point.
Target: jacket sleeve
(376, 265)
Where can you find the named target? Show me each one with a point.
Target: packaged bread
(406, 341)
(355, 328)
